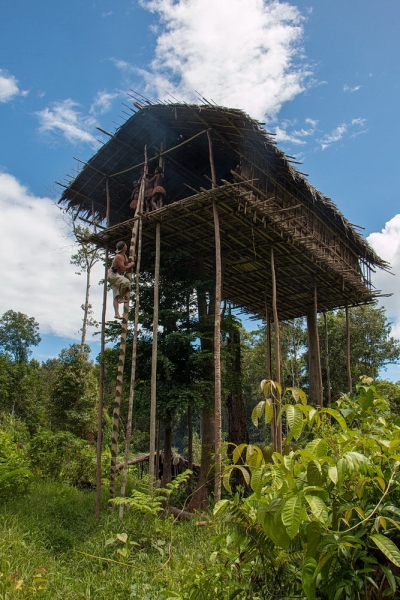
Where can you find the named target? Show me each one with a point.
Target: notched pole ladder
(122, 347)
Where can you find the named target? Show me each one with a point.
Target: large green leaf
(269, 516)
(237, 453)
(389, 549)
(268, 411)
(291, 512)
(318, 508)
(307, 577)
(220, 506)
(257, 480)
(333, 474)
(336, 415)
(314, 473)
(257, 413)
(294, 416)
(254, 456)
(317, 447)
(313, 539)
(298, 394)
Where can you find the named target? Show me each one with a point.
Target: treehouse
(263, 202)
(276, 246)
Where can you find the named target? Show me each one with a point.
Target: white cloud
(9, 87)
(123, 65)
(281, 135)
(63, 116)
(247, 57)
(37, 277)
(297, 135)
(341, 131)
(387, 244)
(103, 102)
(347, 88)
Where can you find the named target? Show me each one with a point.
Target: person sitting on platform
(119, 283)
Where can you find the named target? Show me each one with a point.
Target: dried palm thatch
(262, 200)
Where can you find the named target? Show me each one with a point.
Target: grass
(47, 534)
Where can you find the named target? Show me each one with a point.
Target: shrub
(63, 457)
(322, 520)
(14, 472)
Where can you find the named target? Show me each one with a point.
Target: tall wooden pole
(327, 365)
(153, 389)
(269, 373)
(189, 410)
(122, 349)
(277, 406)
(101, 392)
(314, 357)
(348, 351)
(101, 371)
(217, 332)
(269, 345)
(133, 369)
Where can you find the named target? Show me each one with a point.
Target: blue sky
(324, 76)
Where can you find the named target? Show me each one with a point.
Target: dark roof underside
(247, 229)
(246, 247)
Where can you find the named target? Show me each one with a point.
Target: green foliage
(63, 457)
(322, 516)
(52, 532)
(157, 499)
(74, 393)
(372, 346)
(18, 333)
(14, 471)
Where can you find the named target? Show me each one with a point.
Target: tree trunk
(167, 462)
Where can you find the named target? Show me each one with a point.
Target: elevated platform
(249, 227)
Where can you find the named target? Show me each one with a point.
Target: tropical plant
(322, 520)
(14, 467)
(157, 500)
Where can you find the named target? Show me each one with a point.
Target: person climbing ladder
(119, 283)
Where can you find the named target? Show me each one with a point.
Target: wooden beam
(122, 353)
(314, 358)
(133, 368)
(153, 385)
(327, 365)
(348, 351)
(277, 403)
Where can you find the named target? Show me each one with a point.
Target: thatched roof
(250, 221)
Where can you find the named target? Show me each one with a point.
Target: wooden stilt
(277, 406)
(314, 358)
(101, 393)
(133, 370)
(122, 350)
(101, 370)
(348, 351)
(269, 374)
(327, 365)
(217, 332)
(153, 391)
(268, 343)
(189, 410)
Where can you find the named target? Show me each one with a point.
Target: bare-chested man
(120, 285)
